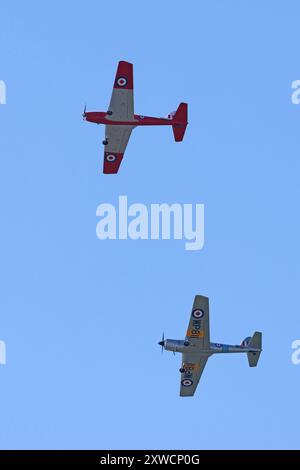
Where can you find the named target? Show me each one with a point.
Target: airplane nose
(162, 342)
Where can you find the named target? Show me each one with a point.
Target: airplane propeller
(162, 342)
(84, 112)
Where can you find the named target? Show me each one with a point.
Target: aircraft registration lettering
(195, 334)
(190, 366)
(190, 369)
(195, 331)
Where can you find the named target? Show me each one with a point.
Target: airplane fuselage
(191, 348)
(139, 120)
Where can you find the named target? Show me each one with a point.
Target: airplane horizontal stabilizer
(180, 122)
(255, 343)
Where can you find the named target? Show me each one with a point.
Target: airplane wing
(198, 330)
(192, 372)
(121, 103)
(117, 137)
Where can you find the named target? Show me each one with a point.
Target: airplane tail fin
(180, 118)
(255, 343)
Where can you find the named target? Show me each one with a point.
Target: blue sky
(81, 317)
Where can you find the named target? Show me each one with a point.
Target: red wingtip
(124, 76)
(112, 162)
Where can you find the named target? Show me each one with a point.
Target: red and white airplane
(120, 119)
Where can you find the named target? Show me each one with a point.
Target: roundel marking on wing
(110, 158)
(121, 81)
(198, 313)
(187, 382)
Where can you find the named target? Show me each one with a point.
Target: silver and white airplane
(197, 348)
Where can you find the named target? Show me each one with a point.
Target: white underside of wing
(121, 105)
(117, 137)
